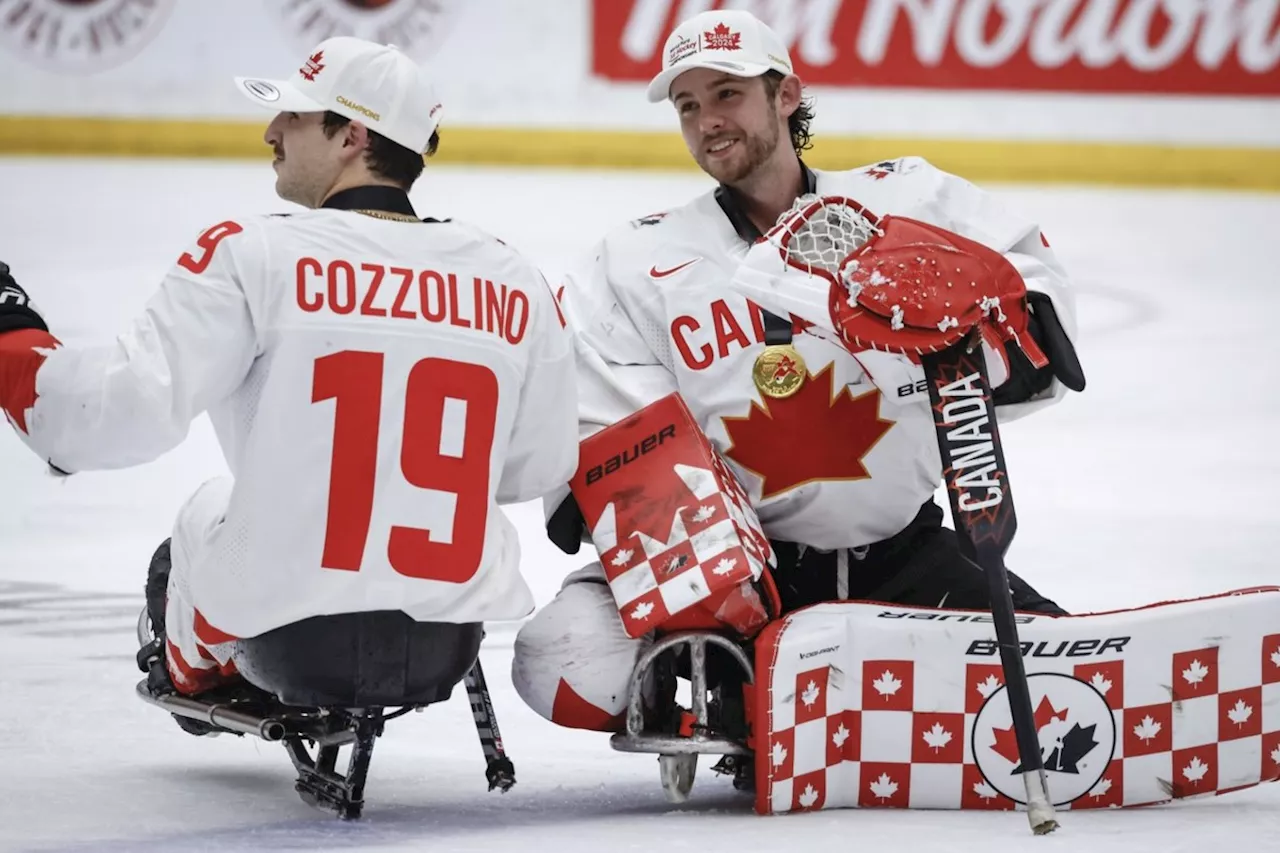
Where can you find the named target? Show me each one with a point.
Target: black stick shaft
(499, 770)
(977, 481)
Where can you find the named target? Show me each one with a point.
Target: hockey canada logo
(417, 27)
(1075, 728)
(81, 36)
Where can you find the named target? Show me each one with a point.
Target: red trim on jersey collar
(389, 199)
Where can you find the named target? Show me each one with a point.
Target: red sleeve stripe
(19, 364)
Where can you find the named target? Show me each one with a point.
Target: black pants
(922, 565)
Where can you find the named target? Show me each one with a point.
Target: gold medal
(779, 371)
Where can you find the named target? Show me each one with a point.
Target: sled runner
(330, 682)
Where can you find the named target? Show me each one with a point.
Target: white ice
(1158, 482)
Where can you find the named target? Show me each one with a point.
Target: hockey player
(377, 383)
(839, 457)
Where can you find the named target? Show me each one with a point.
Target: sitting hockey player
(371, 411)
(835, 448)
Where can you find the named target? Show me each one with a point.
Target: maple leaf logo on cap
(722, 38)
(313, 66)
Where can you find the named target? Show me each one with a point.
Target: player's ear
(790, 93)
(355, 137)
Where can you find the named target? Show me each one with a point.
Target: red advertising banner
(1203, 47)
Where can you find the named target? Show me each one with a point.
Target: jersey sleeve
(543, 452)
(129, 402)
(617, 371)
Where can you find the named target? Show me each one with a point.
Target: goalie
(784, 402)
(834, 444)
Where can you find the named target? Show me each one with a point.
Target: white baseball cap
(371, 83)
(731, 41)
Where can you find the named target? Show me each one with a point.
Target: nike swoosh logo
(654, 272)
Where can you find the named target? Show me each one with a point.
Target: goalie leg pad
(573, 660)
(868, 705)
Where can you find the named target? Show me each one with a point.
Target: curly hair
(386, 158)
(798, 122)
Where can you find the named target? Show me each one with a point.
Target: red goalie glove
(902, 285)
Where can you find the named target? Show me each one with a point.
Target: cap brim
(277, 95)
(660, 86)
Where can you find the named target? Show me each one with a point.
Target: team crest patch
(417, 27)
(81, 37)
(1077, 734)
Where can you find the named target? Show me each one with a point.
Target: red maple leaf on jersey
(811, 435)
(722, 38)
(20, 361)
(313, 66)
(1006, 744)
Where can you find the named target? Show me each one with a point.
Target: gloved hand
(16, 310)
(1025, 381)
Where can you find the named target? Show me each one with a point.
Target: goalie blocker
(867, 705)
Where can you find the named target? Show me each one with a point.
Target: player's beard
(756, 150)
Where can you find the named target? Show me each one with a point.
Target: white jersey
(850, 458)
(378, 387)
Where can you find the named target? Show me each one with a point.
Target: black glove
(1025, 380)
(16, 310)
(566, 527)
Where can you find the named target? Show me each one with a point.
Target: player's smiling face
(730, 124)
(306, 160)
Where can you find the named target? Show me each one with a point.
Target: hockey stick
(499, 770)
(982, 511)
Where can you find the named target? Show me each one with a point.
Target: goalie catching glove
(904, 286)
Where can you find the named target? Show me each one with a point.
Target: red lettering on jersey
(494, 307)
(366, 304)
(342, 294)
(757, 320)
(513, 333)
(208, 243)
(678, 327)
(307, 301)
(559, 297)
(406, 282)
(339, 287)
(429, 314)
(727, 328)
(454, 318)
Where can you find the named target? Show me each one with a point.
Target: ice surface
(1157, 482)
